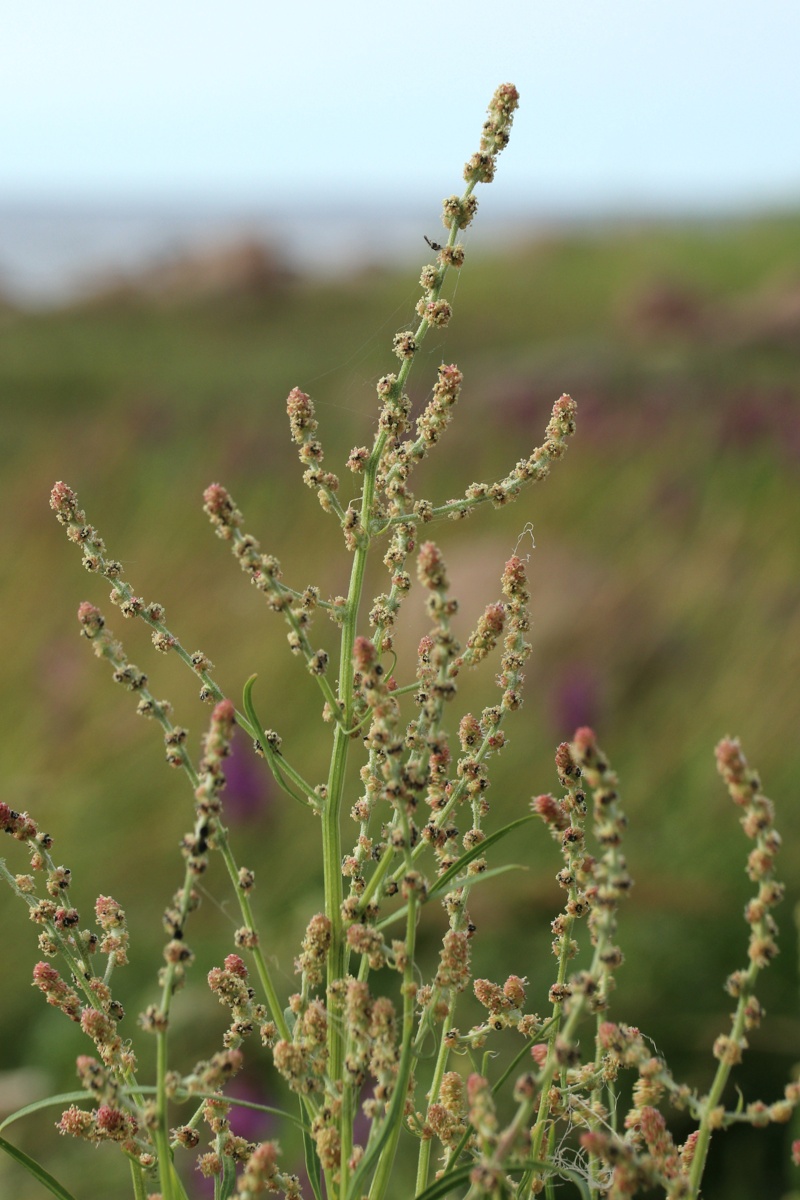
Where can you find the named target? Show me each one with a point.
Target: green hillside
(666, 605)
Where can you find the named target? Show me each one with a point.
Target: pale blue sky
(624, 103)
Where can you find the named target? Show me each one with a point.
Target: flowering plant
(352, 1042)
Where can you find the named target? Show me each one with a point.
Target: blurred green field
(666, 609)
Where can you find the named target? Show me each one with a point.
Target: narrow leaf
(474, 880)
(228, 1181)
(272, 758)
(460, 1175)
(312, 1164)
(38, 1172)
(451, 873)
(444, 880)
(441, 1187)
(49, 1101)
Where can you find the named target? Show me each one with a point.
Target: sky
(664, 104)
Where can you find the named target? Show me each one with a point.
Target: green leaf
(272, 758)
(312, 1164)
(484, 875)
(474, 880)
(228, 1181)
(38, 1172)
(457, 868)
(453, 1179)
(48, 1102)
(441, 1187)
(740, 1102)
(444, 880)
(249, 708)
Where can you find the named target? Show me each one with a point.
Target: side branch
(64, 503)
(265, 574)
(528, 470)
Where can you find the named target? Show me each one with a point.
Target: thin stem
(137, 1178)
(551, 1063)
(243, 900)
(386, 1142)
(161, 1133)
(262, 970)
(348, 1112)
(714, 1096)
(426, 1146)
(331, 828)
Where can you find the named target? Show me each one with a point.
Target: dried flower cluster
(353, 1046)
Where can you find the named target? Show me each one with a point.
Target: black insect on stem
(433, 245)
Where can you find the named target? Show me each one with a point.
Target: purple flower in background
(574, 700)
(248, 1123)
(765, 417)
(249, 789)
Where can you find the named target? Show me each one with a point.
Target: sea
(52, 253)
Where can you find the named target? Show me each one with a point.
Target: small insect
(433, 245)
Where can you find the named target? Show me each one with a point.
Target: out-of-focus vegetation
(666, 607)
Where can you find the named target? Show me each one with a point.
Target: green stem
(331, 829)
(551, 1064)
(713, 1098)
(385, 1144)
(348, 1114)
(596, 1095)
(423, 1162)
(262, 970)
(166, 1173)
(137, 1178)
(332, 875)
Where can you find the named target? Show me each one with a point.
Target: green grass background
(666, 611)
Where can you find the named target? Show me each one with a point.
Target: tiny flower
(539, 1053)
(431, 570)
(357, 459)
(113, 1123)
(64, 502)
(437, 313)
(76, 1122)
(222, 511)
(300, 409)
(514, 990)
(405, 344)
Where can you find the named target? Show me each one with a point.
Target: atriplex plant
(358, 1060)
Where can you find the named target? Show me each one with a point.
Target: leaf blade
(36, 1170)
